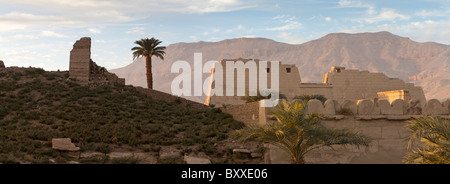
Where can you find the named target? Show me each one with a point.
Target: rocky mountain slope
(424, 64)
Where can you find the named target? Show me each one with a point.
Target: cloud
(421, 31)
(215, 30)
(22, 36)
(52, 34)
(94, 30)
(357, 4)
(136, 30)
(289, 22)
(192, 37)
(142, 6)
(328, 19)
(386, 15)
(290, 38)
(237, 28)
(433, 13)
(16, 20)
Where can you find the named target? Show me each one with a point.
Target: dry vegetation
(36, 106)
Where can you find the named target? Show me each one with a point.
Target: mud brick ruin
(87, 72)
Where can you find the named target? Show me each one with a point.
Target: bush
(125, 160)
(171, 161)
(345, 111)
(247, 98)
(103, 148)
(306, 98)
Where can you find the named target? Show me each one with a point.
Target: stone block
(390, 132)
(169, 152)
(315, 106)
(398, 117)
(91, 154)
(385, 107)
(337, 106)
(246, 151)
(329, 107)
(146, 158)
(278, 155)
(376, 110)
(2, 65)
(64, 144)
(434, 107)
(392, 144)
(120, 155)
(350, 105)
(373, 132)
(398, 107)
(403, 132)
(196, 160)
(365, 107)
(256, 155)
(373, 147)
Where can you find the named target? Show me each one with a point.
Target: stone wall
(393, 95)
(289, 78)
(355, 84)
(99, 76)
(388, 145)
(367, 108)
(384, 122)
(84, 70)
(247, 113)
(80, 58)
(338, 84)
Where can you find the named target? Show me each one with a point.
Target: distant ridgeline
(84, 70)
(338, 84)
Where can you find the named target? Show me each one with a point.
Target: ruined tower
(84, 70)
(80, 58)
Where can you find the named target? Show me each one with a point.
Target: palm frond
(148, 47)
(434, 133)
(298, 133)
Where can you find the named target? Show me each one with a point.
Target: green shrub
(103, 148)
(126, 160)
(171, 161)
(306, 98)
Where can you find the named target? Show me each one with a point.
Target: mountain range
(424, 64)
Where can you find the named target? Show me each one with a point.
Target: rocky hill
(424, 64)
(109, 123)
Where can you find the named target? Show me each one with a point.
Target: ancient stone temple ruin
(370, 103)
(338, 84)
(84, 70)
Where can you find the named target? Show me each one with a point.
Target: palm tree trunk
(148, 65)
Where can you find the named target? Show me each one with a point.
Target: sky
(40, 33)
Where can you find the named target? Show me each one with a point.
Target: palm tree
(147, 48)
(299, 133)
(433, 134)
